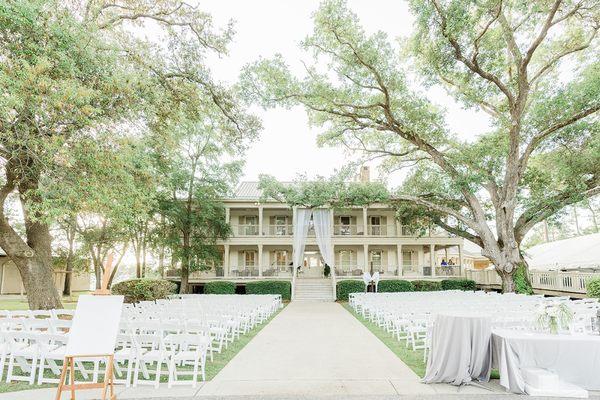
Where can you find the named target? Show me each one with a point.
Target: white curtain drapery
(301, 225)
(323, 232)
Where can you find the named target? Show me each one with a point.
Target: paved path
(317, 349)
(309, 349)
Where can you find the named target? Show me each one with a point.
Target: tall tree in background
(201, 170)
(73, 70)
(531, 66)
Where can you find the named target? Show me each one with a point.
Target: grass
(220, 360)
(12, 303)
(414, 359)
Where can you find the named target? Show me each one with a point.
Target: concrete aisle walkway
(316, 349)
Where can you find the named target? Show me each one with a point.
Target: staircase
(315, 289)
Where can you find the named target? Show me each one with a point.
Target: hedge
(427, 286)
(395, 286)
(219, 287)
(458, 284)
(344, 288)
(593, 287)
(136, 290)
(284, 288)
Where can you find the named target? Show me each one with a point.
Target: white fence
(571, 281)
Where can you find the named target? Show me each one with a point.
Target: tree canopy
(531, 66)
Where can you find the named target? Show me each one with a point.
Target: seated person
(444, 263)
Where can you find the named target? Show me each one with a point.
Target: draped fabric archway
(323, 231)
(301, 225)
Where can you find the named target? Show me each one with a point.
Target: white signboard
(95, 326)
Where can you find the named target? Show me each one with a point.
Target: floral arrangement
(551, 317)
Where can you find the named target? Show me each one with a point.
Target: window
(280, 222)
(375, 222)
(376, 259)
(249, 224)
(281, 258)
(345, 222)
(249, 258)
(347, 259)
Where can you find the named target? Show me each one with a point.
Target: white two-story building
(364, 239)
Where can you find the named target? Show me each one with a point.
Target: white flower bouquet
(551, 317)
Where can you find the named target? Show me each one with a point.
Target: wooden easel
(69, 361)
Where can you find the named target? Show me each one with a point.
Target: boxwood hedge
(427, 286)
(344, 288)
(395, 286)
(284, 288)
(136, 290)
(219, 287)
(458, 284)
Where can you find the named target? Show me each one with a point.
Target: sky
(287, 146)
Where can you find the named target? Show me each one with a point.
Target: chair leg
(41, 370)
(2, 362)
(136, 372)
(158, 371)
(171, 372)
(11, 365)
(128, 376)
(33, 369)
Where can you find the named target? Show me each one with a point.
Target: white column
(366, 258)
(432, 258)
(460, 259)
(365, 222)
(260, 220)
(399, 272)
(260, 258)
(332, 224)
(226, 266)
(398, 228)
(294, 222)
(227, 214)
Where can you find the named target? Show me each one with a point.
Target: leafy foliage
(458, 284)
(593, 288)
(388, 285)
(284, 288)
(335, 192)
(219, 287)
(503, 58)
(136, 290)
(522, 284)
(427, 286)
(345, 287)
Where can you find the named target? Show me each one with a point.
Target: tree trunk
(508, 282)
(576, 220)
(594, 219)
(70, 256)
(185, 265)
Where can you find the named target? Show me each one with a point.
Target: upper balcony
(339, 230)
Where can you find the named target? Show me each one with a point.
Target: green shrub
(219, 287)
(284, 288)
(344, 288)
(458, 284)
(136, 290)
(427, 286)
(593, 287)
(395, 286)
(522, 284)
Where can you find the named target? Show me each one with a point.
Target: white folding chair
(186, 349)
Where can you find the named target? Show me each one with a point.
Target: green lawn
(12, 303)
(414, 359)
(212, 367)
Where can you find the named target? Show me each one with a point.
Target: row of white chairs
(170, 337)
(410, 317)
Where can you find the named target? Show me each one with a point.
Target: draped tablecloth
(575, 359)
(460, 349)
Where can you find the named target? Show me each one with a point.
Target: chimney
(365, 174)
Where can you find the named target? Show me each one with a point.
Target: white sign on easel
(95, 326)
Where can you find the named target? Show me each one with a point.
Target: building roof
(247, 191)
(579, 252)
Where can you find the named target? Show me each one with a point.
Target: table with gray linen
(574, 358)
(460, 349)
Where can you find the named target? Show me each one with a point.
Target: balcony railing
(245, 270)
(345, 230)
(382, 230)
(280, 230)
(245, 230)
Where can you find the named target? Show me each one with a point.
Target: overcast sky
(287, 147)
